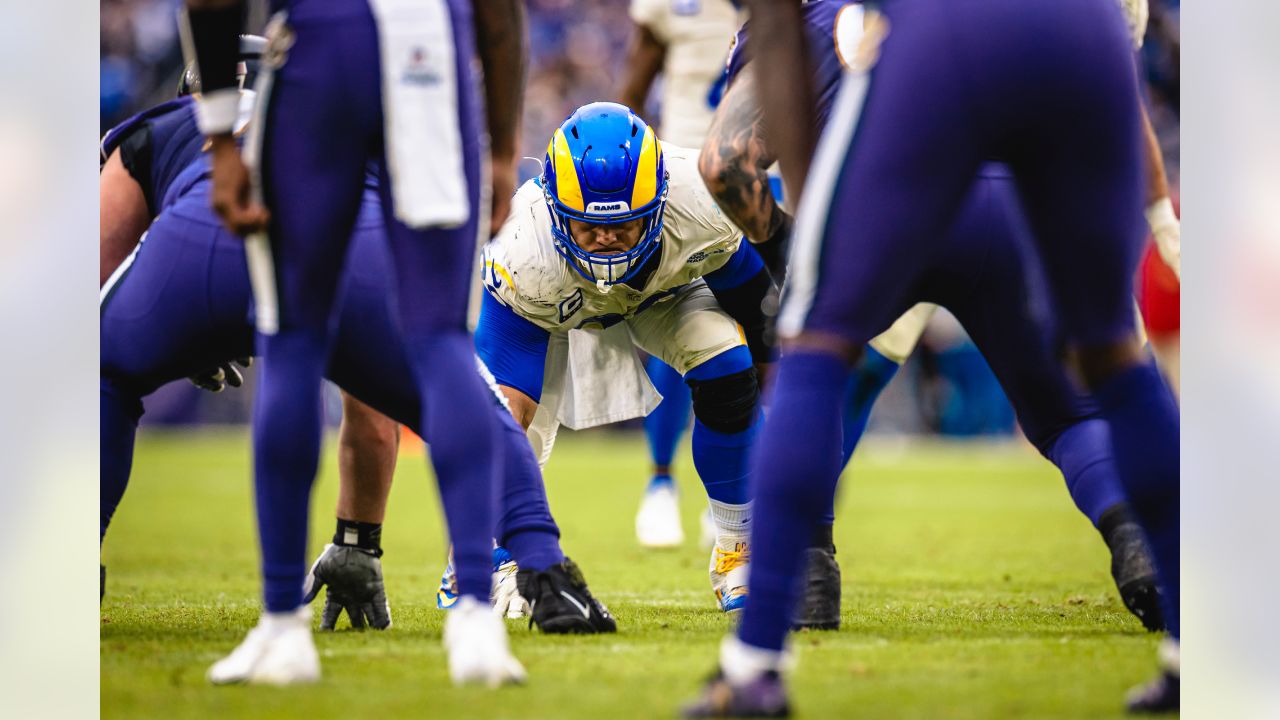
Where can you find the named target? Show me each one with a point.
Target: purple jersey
(156, 146)
(821, 18)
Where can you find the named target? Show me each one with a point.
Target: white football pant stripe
(815, 206)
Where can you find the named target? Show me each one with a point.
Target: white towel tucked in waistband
(591, 378)
(420, 111)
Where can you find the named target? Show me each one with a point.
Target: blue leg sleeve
(664, 427)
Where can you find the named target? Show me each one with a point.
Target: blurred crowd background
(577, 51)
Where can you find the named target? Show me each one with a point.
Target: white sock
(741, 663)
(731, 519)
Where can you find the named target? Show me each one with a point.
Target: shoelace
(727, 560)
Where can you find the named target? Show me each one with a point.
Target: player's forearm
(644, 62)
(785, 87)
(368, 442)
(1157, 180)
(735, 160)
(501, 38)
(523, 407)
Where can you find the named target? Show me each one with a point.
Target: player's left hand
(354, 577)
(503, 183)
(231, 194)
(217, 378)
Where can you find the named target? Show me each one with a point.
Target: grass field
(972, 589)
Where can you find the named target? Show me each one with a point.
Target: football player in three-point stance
(619, 238)
(684, 41)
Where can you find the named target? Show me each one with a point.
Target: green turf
(972, 588)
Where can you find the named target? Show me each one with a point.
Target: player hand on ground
(354, 577)
(505, 596)
(218, 377)
(231, 194)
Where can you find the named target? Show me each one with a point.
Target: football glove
(354, 577)
(217, 378)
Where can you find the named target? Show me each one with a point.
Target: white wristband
(217, 112)
(1160, 215)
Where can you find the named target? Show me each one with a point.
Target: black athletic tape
(215, 35)
(726, 404)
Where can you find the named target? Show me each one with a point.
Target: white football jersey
(697, 34)
(523, 270)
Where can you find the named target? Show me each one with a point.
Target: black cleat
(559, 601)
(1158, 696)
(1132, 567)
(819, 609)
(764, 697)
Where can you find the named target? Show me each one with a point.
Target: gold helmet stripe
(646, 187)
(568, 191)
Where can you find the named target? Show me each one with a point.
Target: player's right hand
(231, 194)
(354, 577)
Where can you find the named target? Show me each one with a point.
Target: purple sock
(1145, 427)
(1083, 453)
(525, 526)
(466, 451)
(794, 469)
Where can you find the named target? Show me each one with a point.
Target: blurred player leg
(434, 272)
(658, 519)
(1082, 185)
(312, 186)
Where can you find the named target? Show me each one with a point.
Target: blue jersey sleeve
(742, 266)
(513, 348)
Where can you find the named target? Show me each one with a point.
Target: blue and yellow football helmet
(604, 166)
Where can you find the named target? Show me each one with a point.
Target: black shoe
(764, 697)
(1132, 567)
(1158, 696)
(559, 601)
(819, 609)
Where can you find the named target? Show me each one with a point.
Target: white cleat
(278, 651)
(730, 566)
(475, 639)
(658, 520)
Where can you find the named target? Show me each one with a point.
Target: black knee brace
(726, 404)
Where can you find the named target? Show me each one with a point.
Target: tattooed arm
(734, 164)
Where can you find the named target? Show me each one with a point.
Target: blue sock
(118, 413)
(466, 451)
(1083, 453)
(664, 426)
(722, 462)
(286, 450)
(1145, 427)
(795, 469)
(525, 526)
